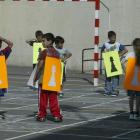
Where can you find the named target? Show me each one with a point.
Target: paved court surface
(87, 113)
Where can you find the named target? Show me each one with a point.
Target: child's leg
(43, 101)
(137, 103)
(115, 84)
(62, 87)
(54, 107)
(131, 101)
(107, 84)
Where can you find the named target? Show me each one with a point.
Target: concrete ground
(87, 113)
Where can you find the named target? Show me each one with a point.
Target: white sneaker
(131, 117)
(136, 117)
(60, 94)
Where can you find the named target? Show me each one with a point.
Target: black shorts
(34, 66)
(64, 74)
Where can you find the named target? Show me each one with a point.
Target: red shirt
(6, 52)
(51, 52)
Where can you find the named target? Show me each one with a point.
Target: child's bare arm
(29, 40)
(39, 66)
(9, 43)
(123, 65)
(69, 55)
(103, 51)
(124, 52)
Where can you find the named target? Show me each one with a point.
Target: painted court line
(77, 135)
(124, 133)
(67, 110)
(63, 126)
(100, 104)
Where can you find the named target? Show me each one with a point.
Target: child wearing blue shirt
(112, 45)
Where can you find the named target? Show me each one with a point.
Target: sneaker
(41, 119)
(57, 119)
(36, 116)
(61, 95)
(114, 95)
(2, 116)
(136, 117)
(106, 94)
(131, 117)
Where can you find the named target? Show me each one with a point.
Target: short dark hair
(111, 33)
(49, 36)
(0, 41)
(38, 33)
(59, 39)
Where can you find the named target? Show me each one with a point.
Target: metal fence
(100, 59)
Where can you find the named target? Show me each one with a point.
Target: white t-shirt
(63, 52)
(131, 55)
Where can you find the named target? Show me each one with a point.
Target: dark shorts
(132, 92)
(64, 74)
(34, 66)
(1, 92)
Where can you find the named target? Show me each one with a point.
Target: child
(64, 55)
(48, 40)
(5, 52)
(132, 93)
(38, 35)
(111, 46)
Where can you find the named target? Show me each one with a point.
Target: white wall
(72, 20)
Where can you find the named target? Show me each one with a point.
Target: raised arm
(9, 43)
(29, 40)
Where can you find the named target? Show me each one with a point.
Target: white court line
(86, 136)
(124, 133)
(18, 97)
(100, 104)
(18, 77)
(67, 80)
(74, 124)
(68, 110)
(15, 131)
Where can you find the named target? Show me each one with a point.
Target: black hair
(111, 33)
(136, 43)
(38, 33)
(49, 36)
(0, 41)
(59, 39)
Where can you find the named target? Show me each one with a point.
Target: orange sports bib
(3, 73)
(52, 74)
(132, 77)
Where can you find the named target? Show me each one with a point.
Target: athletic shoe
(57, 119)
(61, 94)
(106, 94)
(131, 117)
(114, 95)
(2, 116)
(136, 117)
(36, 116)
(41, 119)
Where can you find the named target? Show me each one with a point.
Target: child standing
(132, 93)
(64, 55)
(48, 40)
(111, 46)
(38, 35)
(5, 52)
